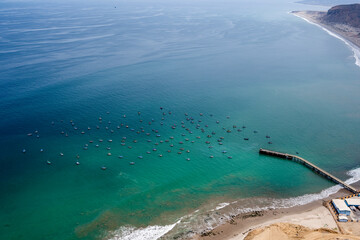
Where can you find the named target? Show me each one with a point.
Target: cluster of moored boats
(150, 131)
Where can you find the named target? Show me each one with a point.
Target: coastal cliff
(343, 14)
(343, 20)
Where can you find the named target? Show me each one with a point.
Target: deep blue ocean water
(242, 63)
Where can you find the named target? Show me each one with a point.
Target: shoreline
(353, 43)
(313, 215)
(239, 226)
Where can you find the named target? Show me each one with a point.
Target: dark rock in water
(253, 214)
(344, 14)
(207, 233)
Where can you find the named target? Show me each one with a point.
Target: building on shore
(354, 201)
(341, 207)
(342, 218)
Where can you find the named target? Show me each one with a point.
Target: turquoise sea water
(249, 60)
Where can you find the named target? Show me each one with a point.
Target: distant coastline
(310, 220)
(348, 34)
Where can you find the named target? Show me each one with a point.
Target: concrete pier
(309, 165)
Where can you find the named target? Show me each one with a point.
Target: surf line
(353, 48)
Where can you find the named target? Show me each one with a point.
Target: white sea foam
(354, 49)
(211, 221)
(148, 233)
(222, 205)
(308, 198)
(199, 221)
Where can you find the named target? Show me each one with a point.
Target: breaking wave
(204, 220)
(148, 233)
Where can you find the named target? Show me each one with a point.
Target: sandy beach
(349, 35)
(311, 221)
(346, 32)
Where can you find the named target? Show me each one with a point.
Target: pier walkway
(309, 165)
